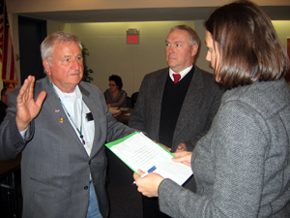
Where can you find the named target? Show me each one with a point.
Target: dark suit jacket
(55, 167)
(198, 110)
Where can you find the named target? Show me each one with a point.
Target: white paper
(140, 152)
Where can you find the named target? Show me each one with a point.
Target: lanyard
(79, 130)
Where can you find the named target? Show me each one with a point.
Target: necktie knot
(176, 76)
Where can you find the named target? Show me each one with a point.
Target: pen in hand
(145, 174)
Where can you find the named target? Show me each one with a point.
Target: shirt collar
(73, 95)
(182, 73)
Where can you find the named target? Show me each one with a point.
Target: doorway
(31, 33)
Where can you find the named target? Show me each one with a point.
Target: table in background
(122, 194)
(9, 166)
(124, 116)
(7, 174)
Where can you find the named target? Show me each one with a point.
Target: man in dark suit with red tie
(176, 105)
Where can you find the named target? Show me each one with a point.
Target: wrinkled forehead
(65, 48)
(178, 36)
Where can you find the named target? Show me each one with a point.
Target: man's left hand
(181, 147)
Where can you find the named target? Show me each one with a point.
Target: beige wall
(109, 53)
(141, 59)
(283, 30)
(24, 6)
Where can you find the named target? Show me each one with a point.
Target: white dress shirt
(182, 73)
(73, 104)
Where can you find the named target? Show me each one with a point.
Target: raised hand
(27, 109)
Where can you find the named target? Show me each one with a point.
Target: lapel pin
(56, 111)
(61, 120)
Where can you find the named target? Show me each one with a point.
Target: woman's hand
(148, 185)
(183, 157)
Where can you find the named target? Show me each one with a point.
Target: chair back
(129, 102)
(134, 97)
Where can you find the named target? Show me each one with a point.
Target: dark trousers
(151, 208)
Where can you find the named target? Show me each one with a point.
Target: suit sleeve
(238, 153)
(11, 142)
(214, 104)
(137, 117)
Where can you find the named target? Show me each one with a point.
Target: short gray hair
(194, 39)
(48, 43)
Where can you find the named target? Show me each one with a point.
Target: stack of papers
(138, 151)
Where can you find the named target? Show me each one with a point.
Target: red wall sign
(132, 36)
(133, 39)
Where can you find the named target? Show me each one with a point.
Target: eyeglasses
(112, 85)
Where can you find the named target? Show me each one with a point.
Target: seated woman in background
(242, 165)
(115, 96)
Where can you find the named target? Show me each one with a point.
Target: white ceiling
(145, 14)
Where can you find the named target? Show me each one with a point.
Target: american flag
(9, 75)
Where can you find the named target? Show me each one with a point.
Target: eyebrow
(66, 56)
(173, 42)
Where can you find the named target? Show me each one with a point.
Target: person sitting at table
(115, 96)
(242, 165)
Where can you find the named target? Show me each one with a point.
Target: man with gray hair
(60, 125)
(176, 105)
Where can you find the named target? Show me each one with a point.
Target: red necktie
(176, 77)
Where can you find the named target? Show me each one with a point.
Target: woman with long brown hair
(242, 166)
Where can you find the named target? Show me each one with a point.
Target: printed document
(138, 151)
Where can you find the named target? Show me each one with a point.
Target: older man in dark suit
(60, 126)
(176, 105)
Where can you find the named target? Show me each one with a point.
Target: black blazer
(198, 110)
